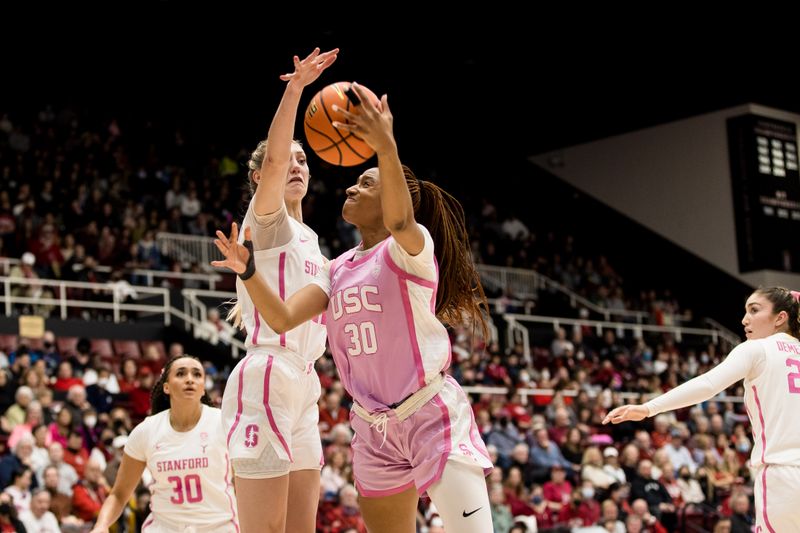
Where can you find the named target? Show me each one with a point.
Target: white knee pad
(461, 499)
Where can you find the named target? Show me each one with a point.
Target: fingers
(325, 55)
(247, 234)
(314, 53)
(223, 248)
(615, 416)
(327, 62)
(326, 59)
(345, 113)
(362, 95)
(344, 126)
(234, 233)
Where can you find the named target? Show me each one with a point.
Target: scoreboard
(766, 192)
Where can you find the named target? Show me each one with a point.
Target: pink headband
(795, 295)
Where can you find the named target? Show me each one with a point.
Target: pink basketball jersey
(382, 328)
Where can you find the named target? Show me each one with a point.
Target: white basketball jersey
(772, 397)
(286, 269)
(192, 478)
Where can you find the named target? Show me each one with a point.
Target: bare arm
(269, 193)
(374, 125)
(281, 316)
(130, 472)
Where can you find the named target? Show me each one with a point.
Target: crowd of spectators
(81, 193)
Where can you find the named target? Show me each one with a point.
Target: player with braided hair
(384, 302)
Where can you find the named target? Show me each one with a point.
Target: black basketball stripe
(315, 130)
(356, 151)
(327, 113)
(339, 150)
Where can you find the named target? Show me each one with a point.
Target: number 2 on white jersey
(794, 377)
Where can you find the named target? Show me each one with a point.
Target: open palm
(236, 255)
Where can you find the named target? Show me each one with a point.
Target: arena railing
(52, 296)
(678, 332)
(522, 283)
(525, 393)
(210, 279)
(193, 248)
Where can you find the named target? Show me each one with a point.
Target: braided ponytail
(460, 291)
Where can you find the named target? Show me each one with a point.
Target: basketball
(342, 148)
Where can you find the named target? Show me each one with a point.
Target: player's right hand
(626, 413)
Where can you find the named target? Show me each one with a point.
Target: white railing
(724, 332)
(193, 248)
(210, 279)
(499, 305)
(6, 263)
(630, 396)
(197, 311)
(60, 300)
(517, 333)
(525, 283)
(620, 327)
(521, 282)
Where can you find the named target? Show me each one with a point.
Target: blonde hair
(234, 315)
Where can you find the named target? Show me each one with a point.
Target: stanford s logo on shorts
(251, 436)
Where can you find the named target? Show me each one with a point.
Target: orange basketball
(337, 147)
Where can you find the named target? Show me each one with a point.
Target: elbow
(396, 225)
(281, 325)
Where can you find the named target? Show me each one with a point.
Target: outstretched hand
(371, 123)
(309, 69)
(626, 413)
(236, 255)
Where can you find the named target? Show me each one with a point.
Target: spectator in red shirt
(561, 426)
(60, 428)
(660, 435)
(74, 453)
(47, 251)
(89, 494)
(332, 413)
(496, 373)
(345, 516)
(557, 491)
(128, 379)
(582, 509)
(65, 377)
(516, 493)
(140, 397)
(545, 516)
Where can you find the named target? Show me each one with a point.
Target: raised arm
(130, 472)
(375, 126)
(281, 316)
(269, 193)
